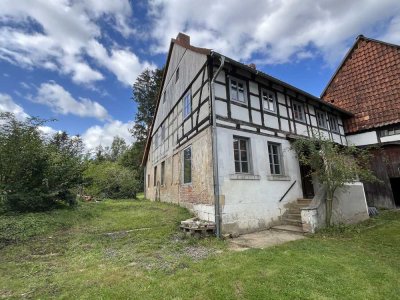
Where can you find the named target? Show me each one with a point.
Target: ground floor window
(275, 158)
(155, 176)
(187, 165)
(241, 154)
(162, 172)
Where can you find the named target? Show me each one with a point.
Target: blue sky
(76, 61)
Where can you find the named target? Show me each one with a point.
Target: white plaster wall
(252, 203)
(363, 139)
(390, 138)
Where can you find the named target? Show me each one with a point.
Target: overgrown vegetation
(333, 165)
(37, 173)
(133, 250)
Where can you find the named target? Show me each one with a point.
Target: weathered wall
(349, 206)
(250, 202)
(197, 196)
(385, 163)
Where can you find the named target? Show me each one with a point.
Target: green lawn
(132, 249)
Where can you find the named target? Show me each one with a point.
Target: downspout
(215, 150)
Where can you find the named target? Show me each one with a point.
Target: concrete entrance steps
(289, 228)
(292, 218)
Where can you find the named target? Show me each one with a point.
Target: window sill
(278, 177)
(244, 177)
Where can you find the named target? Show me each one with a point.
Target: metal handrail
(290, 187)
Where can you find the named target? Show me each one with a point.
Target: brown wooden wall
(386, 164)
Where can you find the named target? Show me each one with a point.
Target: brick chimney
(183, 39)
(253, 66)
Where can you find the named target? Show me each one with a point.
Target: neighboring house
(367, 83)
(220, 140)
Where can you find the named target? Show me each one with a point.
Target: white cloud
(275, 30)
(61, 101)
(67, 27)
(7, 104)
(123, 63)
(104, 135)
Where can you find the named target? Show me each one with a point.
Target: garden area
(120, 249)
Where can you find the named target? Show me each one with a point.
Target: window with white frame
(333, 123)
(187, 104)
(275, 159)
(321, 119)
(269, 100)
(241, 153)
(187, 165)
(237, 90)
(298, 111)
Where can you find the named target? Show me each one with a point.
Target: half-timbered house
(220, 140)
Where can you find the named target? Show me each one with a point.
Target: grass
(106, 250)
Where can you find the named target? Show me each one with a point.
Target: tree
(118, 148)
(333, 165)
(37, 174)
(145, 91)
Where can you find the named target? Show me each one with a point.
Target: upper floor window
(390, 131)
(269, 100)
(298, 111)
(162, 133)
(187, 165)
(187, 104)
(164, 97)
(275, 158)
(241, 155)
(237, 90)
(177, 75)
(333, 123)
(156, 139)
(321, 119)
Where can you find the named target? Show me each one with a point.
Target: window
(162, 133)
(155, 176)
(177, 75)
(148, 180)
(275, 159)
(298, 111)
(162, 172)
(237, 90)
(390, 131)
(164, 97)
(187, 165)
(321, 119)
(333, 123)
(187, 105)
(156, 140)
(269, 100)
(241, 155)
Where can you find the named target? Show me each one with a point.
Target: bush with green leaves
(37, 173)
(108, 179)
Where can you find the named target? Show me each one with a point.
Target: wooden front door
(306, 182)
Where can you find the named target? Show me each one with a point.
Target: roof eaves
(287, 85)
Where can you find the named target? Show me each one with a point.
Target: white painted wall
(363, 139)
(251, 202)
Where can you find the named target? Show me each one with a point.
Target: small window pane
(245, 167)
(187, 105)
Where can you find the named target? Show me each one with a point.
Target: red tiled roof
(367, 83)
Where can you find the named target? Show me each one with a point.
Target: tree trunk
(329, 200)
